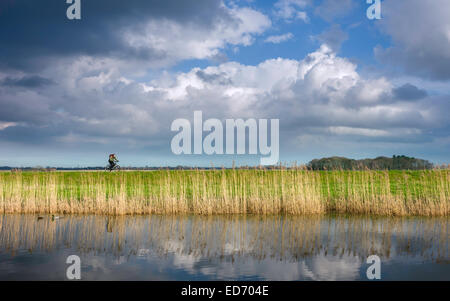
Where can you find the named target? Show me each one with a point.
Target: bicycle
(112, 168)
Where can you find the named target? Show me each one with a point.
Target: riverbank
(238, 191)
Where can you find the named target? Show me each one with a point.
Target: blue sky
(73, 91)
(363, 36)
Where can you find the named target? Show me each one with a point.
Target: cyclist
(112, 161)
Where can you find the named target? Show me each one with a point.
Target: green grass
(235, 191)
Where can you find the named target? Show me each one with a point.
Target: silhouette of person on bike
(112, 161)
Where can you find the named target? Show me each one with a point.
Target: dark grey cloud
(31, 32)
(214, 78)
(29, 134)
(333, 37)
(31, 109)
(27, 81)
(330, 10)
(420, 37)
(409, 92)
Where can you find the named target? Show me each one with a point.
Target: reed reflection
(228, 238)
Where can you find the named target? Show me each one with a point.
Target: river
(330, 247)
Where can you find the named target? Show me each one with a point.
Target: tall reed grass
(228, 191)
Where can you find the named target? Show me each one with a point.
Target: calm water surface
(223, 248)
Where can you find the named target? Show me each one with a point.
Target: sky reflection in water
(228, 248)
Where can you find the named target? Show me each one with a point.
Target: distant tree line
(396, 162)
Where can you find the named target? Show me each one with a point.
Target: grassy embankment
(285, 191)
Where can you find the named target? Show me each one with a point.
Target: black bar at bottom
(228, 290)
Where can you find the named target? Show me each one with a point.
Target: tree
(379, 163)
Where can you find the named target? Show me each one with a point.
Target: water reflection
(219, 247)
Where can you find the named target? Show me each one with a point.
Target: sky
(73, 91)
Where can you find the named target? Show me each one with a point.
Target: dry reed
(291, 191)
